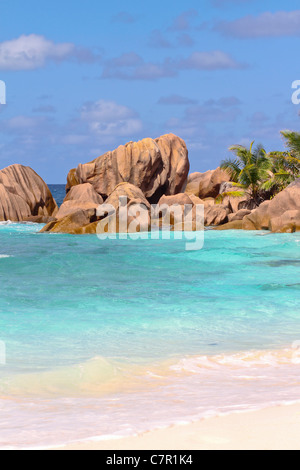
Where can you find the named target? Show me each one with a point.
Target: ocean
(58, 191)
(108, 338)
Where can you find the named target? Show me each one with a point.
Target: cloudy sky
(83, 77)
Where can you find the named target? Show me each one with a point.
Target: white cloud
(176, 100)
(133, 67)
(209, 60)
(22, 122)
(120, 128)
(158, 40)
(130, 59)
(138, 69)
(105, 110)
(280, 23)
(182, 22)
(107, 118)
(33, 51)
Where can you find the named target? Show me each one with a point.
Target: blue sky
(85, 77)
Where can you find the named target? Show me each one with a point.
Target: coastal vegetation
(261, 175)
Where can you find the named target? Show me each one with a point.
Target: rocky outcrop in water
(155, 166)
(89, 219)
(140, 171)
(24, 196)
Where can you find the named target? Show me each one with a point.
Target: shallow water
(114, 337)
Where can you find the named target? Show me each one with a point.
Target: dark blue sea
(58, 192)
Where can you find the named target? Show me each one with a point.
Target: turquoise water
(82, 317)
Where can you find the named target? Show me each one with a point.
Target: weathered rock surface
(72, 222)
(133, 194)
(239, 215)
(132, 214)
(234, 225)
(137, 210)
(39, 219)
(156, 166)
(173, 209)
(23, 194)
(196, 200)
(83, 197)
(87, 219)
(208, 201)
(84, 193)
(206, 184)
(288, 222)
(236, 203)
(286, 201)
(216, 215)
(178, 199)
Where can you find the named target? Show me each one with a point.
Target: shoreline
(233, 427)
(273, 428)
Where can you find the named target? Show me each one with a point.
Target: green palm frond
(251, 167)
(277, 181)
(232, 167)
(292, 141)
(222, 196)
(238, 185)
(241, 153)
(268, 185)
(264, 174)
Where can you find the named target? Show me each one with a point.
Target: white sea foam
(241, 360)
(193, 388)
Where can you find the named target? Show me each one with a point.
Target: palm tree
(286, 165)
(248, 170)
(286, 169)
(292, 142)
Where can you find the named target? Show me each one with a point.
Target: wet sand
(276, 428)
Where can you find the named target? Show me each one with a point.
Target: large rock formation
(279, 214)
(127, 210)
(83, 197)
(206, 184)
(156, 166)
(24, 195)
(86, 219)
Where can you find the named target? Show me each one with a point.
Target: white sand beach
(276, 428)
